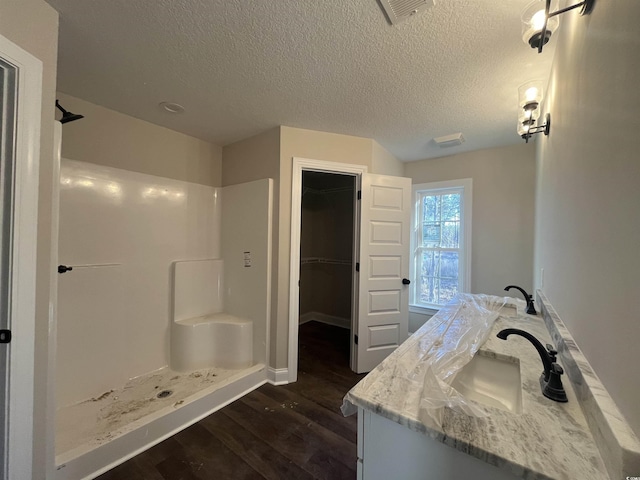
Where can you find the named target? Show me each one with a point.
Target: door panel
(383, 305)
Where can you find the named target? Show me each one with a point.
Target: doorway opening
(331, 193)
(327, 256)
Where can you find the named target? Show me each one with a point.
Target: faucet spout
(531, 310)
(544, 355)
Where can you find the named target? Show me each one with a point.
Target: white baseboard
(324, 318)
(307, 317)
(278, 376)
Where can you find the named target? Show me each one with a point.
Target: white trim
(466, 184)
(326, 319)
(299, 165)
(23, 267)
(269, 270)
(50, 432)
(278, 376)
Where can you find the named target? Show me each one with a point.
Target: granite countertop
(548, 440)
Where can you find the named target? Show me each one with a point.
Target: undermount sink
(492, 382)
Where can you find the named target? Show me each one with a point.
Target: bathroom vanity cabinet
(388, 450)
(539, 440)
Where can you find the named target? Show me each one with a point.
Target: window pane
(450, 235)
(431, 208)
(441, 221)
(448, 276)
(431, 234)
(439, 242)
(429, 273)
(438, 281)
(450, 206)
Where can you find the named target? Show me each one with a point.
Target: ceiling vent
(449, 140)
(399, 10)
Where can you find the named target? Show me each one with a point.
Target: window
(440, 242)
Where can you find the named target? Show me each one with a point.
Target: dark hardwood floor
(293, 431)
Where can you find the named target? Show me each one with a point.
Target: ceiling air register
(399, 10)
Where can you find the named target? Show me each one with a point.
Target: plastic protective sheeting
(422, 368)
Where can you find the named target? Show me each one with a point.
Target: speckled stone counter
(548, 440)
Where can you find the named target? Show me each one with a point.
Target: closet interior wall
(326, 247)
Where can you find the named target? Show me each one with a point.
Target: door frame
(301, 165)
(20, 371)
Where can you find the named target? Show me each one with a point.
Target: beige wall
(329, 147)
(383, 162)
(253, 159)
(33, 25)
(503, 211)
(588, 193)
(109, 138)
(271, 155)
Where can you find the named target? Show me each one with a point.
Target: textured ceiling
(241, 67)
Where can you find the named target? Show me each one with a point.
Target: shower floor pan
(97, 434)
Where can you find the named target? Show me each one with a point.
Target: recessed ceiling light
(172, 107)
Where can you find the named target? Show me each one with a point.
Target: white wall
(503, 211)
(588, 193)
(113, 321)
(247, 218)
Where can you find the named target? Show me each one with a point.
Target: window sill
(423, 310)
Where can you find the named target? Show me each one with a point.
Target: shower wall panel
(247, 211)
(121, 231)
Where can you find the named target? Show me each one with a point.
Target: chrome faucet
(550, 381)
(528, 298)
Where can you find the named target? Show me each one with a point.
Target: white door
(383, 292)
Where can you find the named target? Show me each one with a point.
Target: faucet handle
(552, 352)
(552, 388)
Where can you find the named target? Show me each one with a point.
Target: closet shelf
(330, 261)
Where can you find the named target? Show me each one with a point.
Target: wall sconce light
(529, 99)
(539, 23)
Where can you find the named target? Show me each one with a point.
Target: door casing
(300, 165)
(17, 461)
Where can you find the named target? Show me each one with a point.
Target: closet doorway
(379, 235)
(323, 280)
(327, 253)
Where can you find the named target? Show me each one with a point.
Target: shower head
(67, 116)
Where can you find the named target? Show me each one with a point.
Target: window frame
(465, 185)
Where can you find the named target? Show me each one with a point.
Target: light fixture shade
(522, 128)
(525, 116)
(527, 119)
(530, 95)
(533, 18)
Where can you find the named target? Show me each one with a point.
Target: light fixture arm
(587, 6)
(545, 128)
